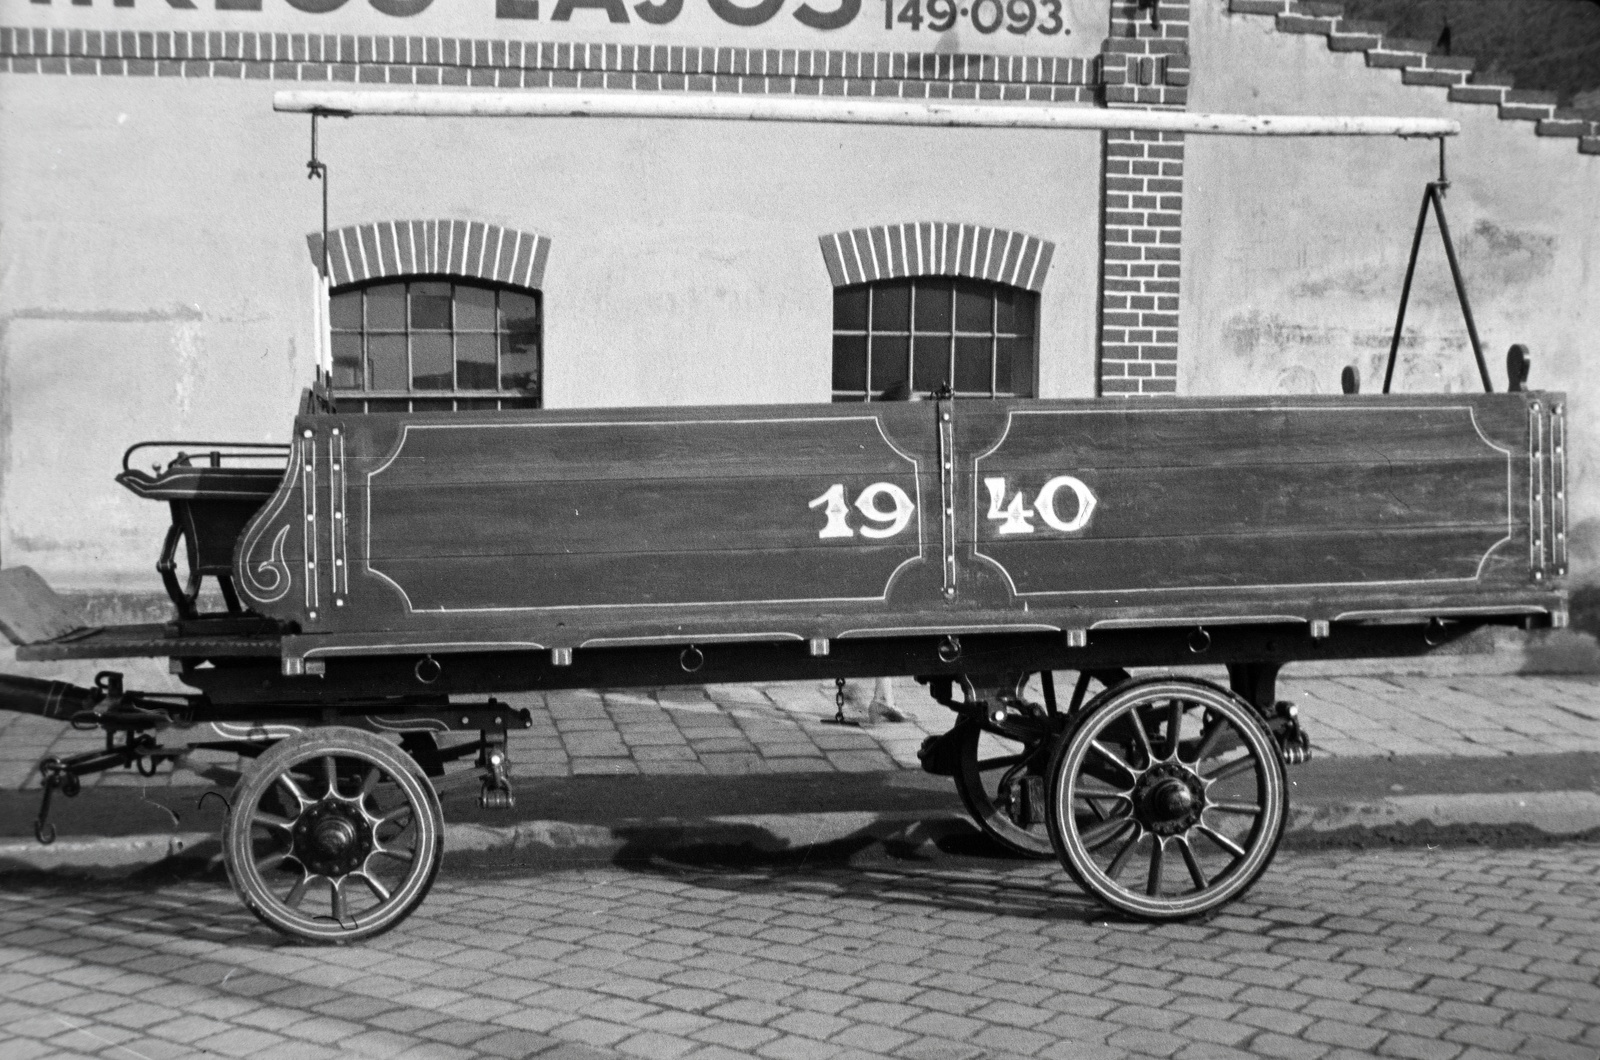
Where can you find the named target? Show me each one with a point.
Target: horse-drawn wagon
(383, 569)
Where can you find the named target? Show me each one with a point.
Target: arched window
(441, 344)
(934, 303)
(978, 337)
(434, 315)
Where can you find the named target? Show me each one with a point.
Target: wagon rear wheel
(334, 836)
(1167, 799)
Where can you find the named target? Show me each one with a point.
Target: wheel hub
(1169, 799)
(332, 839)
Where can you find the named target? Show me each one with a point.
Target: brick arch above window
(937, 248)
(472, 249)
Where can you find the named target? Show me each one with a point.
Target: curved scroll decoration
(266, 578)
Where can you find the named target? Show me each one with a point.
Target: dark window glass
(974, 357)
(386, 363)
(430, 307)
(891, 306)
(933, 305)
(431, 363)
(519, 312)
(475, 309)
(475, 361)
(932, 366)
(890, 361)
(850, 362)
(386, 307)
(519, 361)
(975, 336)
(974, 306)
(344, 311)
(347, 360)
(468, 345)
(850, 309)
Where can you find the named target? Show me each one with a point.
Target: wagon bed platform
(148, 640)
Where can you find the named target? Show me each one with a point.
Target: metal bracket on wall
(1434, 195)
(944, 411)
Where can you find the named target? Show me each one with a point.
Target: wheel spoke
(398, 855)
(370, 781)
(1103, 833)
(1174, 728)
(271, 820)
(287, 783)
(1249, 809)
(1158, 854)
(378, 890)
(341, 910)
(393, 816)
(1143, 737)
(271, 861)
(1111, 756)
(1210, 738)
(1093, 799)
(1123, 855)
(1196, 873)
(297, 893)
(330, 773)
(1232, 769)
(1221, 840)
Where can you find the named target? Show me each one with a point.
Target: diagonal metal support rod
(1433, 196)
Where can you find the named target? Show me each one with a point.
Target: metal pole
(1461, 293)
(1405, 288)
(842, 110)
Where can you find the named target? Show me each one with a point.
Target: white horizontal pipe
(844, 110)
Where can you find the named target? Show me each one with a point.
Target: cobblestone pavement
(1439, 955)
(779, 728)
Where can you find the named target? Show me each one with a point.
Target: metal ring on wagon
(691, 659)
(1200, 641)
(949, 648)
(1433, 632)
(428, 669)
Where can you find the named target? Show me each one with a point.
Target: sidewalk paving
(620, 775)
(721, 730)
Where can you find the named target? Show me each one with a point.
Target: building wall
(1296, 249)
(156, 282)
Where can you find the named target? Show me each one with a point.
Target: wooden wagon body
(560, 531)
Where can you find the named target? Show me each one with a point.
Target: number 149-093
(1017, 16)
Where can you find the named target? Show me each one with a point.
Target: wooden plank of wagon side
(1276, 495)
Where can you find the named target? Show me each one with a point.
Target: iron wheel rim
(1200, 811)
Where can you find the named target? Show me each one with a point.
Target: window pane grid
(416, 345)
(928, 331)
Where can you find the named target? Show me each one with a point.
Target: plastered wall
(1295, 250)
(155, 281)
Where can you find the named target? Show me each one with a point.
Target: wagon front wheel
(334, 836)
(1167, 799)
(1000, 779)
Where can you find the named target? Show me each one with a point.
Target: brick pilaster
(1144, 65)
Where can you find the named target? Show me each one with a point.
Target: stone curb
(822, 837)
